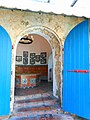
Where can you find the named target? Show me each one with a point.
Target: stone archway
(56, 47)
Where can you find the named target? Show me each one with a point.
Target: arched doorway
(33, 64)
(76, 91)
(56, 56)
(5, 71)
(56, 47)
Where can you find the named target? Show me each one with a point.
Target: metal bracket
(79, 71)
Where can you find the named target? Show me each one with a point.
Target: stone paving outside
(38, 103)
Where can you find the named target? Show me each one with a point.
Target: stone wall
(15, 21)
(54, 27)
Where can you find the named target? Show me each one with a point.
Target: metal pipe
(74, 2)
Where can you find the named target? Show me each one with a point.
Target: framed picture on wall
(43, 54)
(32, 55)
(43, 61)
(37, 58)
(18, 58)
(25, 60)
(32, 61)
(25, 53)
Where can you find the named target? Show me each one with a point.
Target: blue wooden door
(76, 91)
(5, 72)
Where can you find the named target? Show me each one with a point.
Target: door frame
(56, 47)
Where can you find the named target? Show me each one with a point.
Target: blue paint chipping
(76, 99)
(5, 71)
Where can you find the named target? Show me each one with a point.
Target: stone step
(34, 113)
(43, 117)
(26, 100)
(31, 96)
(25, 111)
(33, 104)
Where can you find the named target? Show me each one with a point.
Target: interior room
(34, 65)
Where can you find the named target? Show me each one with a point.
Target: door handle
(79, 71)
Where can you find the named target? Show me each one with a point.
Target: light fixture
(27, 39)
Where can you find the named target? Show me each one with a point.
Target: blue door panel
(76, 84)
(5, 72)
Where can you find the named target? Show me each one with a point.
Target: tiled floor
(37, 103)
